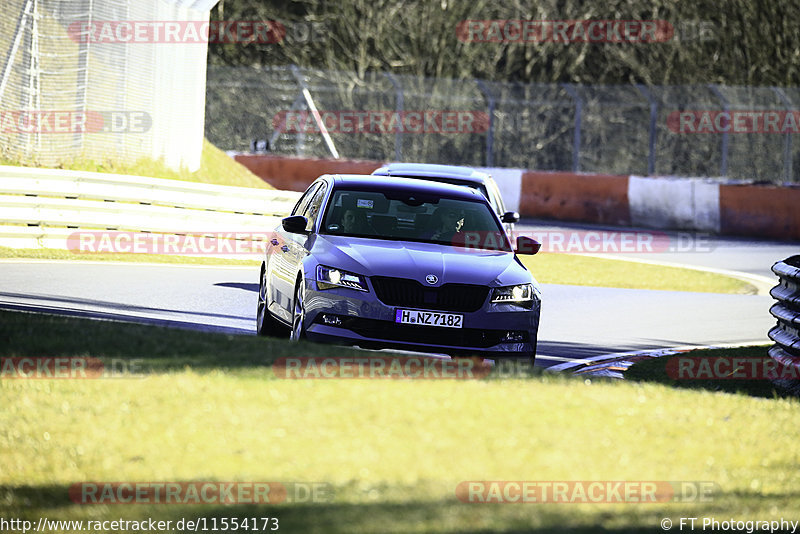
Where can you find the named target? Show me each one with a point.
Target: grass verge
(216, 167)
(567, 269)
(734, 364)
(574, 269)
(66, 255)
(209, 408)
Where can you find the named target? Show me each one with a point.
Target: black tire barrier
(786, 333)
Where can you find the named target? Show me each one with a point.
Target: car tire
(298, 313)
(266, 324)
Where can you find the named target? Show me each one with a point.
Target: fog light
(513, 336)
(331, 320)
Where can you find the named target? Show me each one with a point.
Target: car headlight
(521, 295)
(330, 277)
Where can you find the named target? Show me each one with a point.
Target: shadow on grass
(158, 349)
(665, 370)
(392, 515)
(154, 349)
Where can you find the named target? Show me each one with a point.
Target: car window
(302, 204)
(497, 198)
(411, 216)
(491, 192)
(311, 210)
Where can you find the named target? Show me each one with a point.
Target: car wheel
(299, 315)
(266, 324)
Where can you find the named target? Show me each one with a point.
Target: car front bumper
(346, 316)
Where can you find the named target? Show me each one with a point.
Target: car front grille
(464, 338)
(412, 294)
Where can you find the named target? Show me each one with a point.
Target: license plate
(429, 318)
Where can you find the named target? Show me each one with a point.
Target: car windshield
(414, 216)
(445, 179)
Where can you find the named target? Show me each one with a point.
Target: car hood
(415, 261)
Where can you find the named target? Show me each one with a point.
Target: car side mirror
(526, 245)
(296, 224)
(510, 217)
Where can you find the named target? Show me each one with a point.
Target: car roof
(370, 182)
(432, 170)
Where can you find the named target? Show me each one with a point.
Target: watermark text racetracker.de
(200, 492)
(360, 121)
(249, 243)
(585, 31)
(179, 243)
(584, 491)
(380, 368)
(729, 368)
(734, 121)
(194, 32)
(591, 241)
(68, 368)
(74, 122)
(564, 31)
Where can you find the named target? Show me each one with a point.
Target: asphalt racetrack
(577, 322)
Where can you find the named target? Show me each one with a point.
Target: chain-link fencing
(98, 80)
(741, 133)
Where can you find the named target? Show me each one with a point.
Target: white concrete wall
(509, 181)
(679, 203)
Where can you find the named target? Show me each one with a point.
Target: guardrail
(41, 207)
(786, 334)
(703, 205)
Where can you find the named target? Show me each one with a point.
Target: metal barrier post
(651, 142)
(314, 112)
(400, 99)
(725, 141)
(490, 100)
(787, 140)
(576, 137)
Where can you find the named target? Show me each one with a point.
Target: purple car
(381, 262)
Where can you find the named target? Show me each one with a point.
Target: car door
(281, 261)
(299, 244)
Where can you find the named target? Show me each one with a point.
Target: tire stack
(786, 334)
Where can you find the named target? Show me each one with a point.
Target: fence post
(82, 88)
(651, 142)
(34, 76)
(576, 137)
(12, 52)
(490, 101)
(278, 129)
(725, 141)
(787, 140)
(400, 104)
(313, 108)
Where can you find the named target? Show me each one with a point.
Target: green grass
(548, 268)
(58, 254)
(655, 370)
(210, 408)
(573, 269)
(216, 167)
